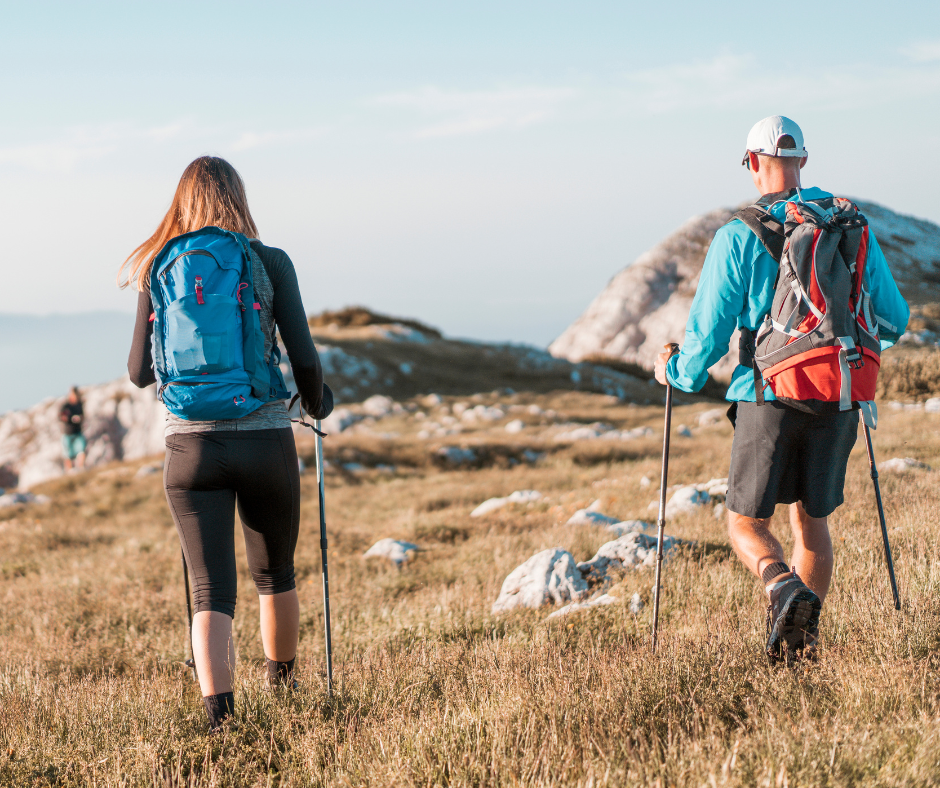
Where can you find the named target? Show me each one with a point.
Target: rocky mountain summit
(647, 304)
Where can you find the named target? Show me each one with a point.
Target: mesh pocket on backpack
(203, 338)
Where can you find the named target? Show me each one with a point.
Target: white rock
(339, 420)
(719, 511)
(902, 465)
(480, 413)
(711, 417)
(515, 426)
(684, 431)
(548, 577)
(629, 550)
(393, 549)
(636, 603)
(492, 504)
(603, 599)
(628, 527)
(645, 482)
(378, 405)
(432, 400)
(534, 410)
(932, 405)
(716, 488)
(590, 516)
(685, 500)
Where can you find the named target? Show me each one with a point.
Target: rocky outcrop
(647, 304)
(122, 422)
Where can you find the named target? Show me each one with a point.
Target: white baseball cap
(765, 135)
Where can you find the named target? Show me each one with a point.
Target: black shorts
(207, 475)
(783, 455)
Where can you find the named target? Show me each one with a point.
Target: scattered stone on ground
(684, 431)
(630, 550)
(19, 498)
(480, 413)
(716, 488)
(719, 511)
(492, 504)
(339, 420)
(514, 426)
(379, 406)
(432, 400)
(687, 499)
(932, 405)
(599, 430)
(454, 455)
(645, 482)
(711, 417)
(591, 516)
(548, 577)
(394, 550)
(902, 465)
(895, 405)
(636, 603)
(602, 599)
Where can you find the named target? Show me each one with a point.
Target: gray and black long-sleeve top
(282, 310)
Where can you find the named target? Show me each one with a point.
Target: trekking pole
(881, 516)
(672, 348)
(191, 662)
(326, 576)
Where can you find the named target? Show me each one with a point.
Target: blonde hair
(210, 193)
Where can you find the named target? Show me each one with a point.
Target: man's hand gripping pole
(671, 349)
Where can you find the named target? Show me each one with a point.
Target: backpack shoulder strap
(769, 231)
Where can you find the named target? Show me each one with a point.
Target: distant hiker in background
(72, 415)
(802, 275)
(211, 297)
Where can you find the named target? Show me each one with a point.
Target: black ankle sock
(219, 708)
(280, 673)
(774, 570)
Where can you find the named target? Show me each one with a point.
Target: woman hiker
(250, 462)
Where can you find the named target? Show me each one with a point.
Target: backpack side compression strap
(765, 227)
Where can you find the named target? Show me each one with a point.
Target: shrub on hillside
(909, 375)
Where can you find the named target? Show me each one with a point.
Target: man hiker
(781, 454)
(73, 442)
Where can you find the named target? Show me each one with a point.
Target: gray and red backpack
(818, 349)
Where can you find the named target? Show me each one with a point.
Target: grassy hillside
(433, 689)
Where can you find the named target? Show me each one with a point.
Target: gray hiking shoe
(792, 622)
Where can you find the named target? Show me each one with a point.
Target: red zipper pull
(199, 298)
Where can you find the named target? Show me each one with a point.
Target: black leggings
(205, 475)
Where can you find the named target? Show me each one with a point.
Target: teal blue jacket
(736, 289)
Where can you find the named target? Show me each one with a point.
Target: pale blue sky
(485, 167)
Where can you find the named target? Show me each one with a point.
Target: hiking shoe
(792, 622)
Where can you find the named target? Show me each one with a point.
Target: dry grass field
(432, 689)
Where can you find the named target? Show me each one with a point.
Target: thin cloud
(455, 113)
(263, 139)
(924, 51)
(82, 143)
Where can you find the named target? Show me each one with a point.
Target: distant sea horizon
(44, 355)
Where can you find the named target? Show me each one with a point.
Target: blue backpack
(208, 346)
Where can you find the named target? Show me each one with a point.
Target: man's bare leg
(812, 550)
(753, 542)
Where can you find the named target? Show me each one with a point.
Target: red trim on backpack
(199, 298)
(815, 294)
(816, 374)
(861, 260)
(256, 305)
(238, 294)
(153, 316)
(793, 213)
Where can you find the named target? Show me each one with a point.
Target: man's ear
(803, 162)
(755, 161)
